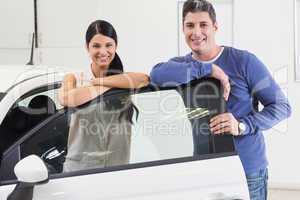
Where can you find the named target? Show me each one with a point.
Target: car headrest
(42, 104)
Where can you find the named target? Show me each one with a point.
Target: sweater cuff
(247, 130)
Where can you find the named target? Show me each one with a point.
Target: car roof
(11, 75)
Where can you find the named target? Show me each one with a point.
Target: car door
(172, 153)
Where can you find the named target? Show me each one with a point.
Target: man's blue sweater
(250, 81)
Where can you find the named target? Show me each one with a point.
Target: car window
(37, 98)
(27, 112)
(120, 129)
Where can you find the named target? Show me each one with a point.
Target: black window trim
(2, 95)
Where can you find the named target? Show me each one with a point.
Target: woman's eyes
(99, 46)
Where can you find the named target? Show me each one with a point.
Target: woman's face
(102, 50)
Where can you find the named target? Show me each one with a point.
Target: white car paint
(196, 180)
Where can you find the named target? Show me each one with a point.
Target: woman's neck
(98, 71)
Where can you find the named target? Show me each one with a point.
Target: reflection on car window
(163, 130)
(100, 135)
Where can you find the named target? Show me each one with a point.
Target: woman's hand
(219, 74)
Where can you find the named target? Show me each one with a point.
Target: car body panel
(204, 179)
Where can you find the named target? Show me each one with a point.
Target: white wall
(147, 30)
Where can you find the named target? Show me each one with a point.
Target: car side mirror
(29, 171)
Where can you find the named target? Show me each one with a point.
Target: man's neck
(207, 56)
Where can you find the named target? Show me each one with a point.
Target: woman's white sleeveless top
(98, 136)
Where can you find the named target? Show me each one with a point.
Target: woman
(99, 137)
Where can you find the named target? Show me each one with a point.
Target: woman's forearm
(80, 95)
(126, 80)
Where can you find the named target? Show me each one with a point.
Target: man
(250, 82)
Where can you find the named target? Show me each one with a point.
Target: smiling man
(250, 82)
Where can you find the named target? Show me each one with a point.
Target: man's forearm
(175, 73)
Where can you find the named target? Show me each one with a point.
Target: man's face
(199, 31)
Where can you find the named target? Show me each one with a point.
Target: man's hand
(219, 74)
(225, 122)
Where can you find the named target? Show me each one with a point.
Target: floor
(283, 194)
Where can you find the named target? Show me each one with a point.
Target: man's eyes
(96, 46)
(192, 26)
(189, 25)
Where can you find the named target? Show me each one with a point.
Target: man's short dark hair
(198, 6)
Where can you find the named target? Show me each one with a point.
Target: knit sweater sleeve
(264, 88)
(178, 71)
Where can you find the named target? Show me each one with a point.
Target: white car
(165, 160)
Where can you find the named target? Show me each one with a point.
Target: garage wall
(147, 32)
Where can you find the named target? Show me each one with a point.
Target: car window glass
(162, 130)
(52, 94)
(26, 113)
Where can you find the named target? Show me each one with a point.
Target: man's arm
(266, 90)
(263, 87)
(177, 71)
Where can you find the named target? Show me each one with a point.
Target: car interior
(21, 119)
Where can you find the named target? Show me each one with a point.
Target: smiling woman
(101, 45)
(85, 149)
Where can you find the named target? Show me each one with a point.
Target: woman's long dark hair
(116, 66)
